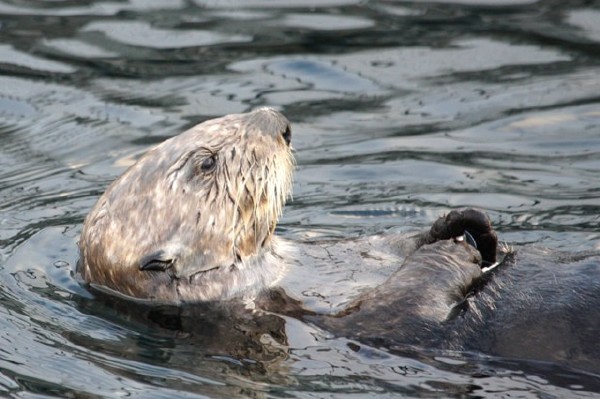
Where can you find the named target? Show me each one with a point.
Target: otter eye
(209, 163)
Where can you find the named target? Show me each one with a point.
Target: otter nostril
(287, 135)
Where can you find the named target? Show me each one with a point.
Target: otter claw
(469, 239)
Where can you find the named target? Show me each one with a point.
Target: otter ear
(157, 261)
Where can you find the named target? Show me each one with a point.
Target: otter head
(192, 211)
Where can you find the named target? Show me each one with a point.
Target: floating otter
(193, 221)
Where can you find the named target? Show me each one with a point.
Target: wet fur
(173, 230)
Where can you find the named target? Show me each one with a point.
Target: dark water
(400, 111)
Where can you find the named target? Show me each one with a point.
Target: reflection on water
(401, 110)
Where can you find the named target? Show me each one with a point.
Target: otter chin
(193, 219)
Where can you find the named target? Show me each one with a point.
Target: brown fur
(198, 210)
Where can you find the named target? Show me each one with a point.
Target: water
(400, 111)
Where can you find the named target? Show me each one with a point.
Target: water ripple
(400, 112)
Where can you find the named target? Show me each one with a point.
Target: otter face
(193, 209)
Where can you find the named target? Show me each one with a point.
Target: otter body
(193, 220)
(537, 304)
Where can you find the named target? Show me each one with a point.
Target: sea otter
(193, 222)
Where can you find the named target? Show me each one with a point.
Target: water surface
(400, 110)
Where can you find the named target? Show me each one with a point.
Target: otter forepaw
(471, 223)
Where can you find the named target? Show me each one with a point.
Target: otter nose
(270, 122)
(287, 135)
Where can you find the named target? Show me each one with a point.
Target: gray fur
(211, 228)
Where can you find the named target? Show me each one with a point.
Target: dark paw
(474, 225)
